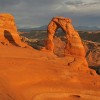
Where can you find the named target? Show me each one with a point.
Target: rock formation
(93, 53)
(74, 45)
(8, 31)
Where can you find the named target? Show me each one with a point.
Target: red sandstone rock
(74, 44)
(8, 31)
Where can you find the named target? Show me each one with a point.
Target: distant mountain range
(30, 29)
(87, 28)
(80, 28)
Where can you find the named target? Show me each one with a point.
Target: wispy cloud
(82, 3)
(74, 3)
(31, 13)
(6, 3)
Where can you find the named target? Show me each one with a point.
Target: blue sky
(33, 13)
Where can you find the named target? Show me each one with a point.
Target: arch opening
(59, 41)
(56, 41)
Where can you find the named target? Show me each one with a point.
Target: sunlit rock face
(8, 31)
(74, 44)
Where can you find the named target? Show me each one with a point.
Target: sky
(34, 13)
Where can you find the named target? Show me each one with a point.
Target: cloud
(84, 3)
(31, 13)
(41, 2)
(74, 3)
(6, 3)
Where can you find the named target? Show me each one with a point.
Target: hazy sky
(32, 13)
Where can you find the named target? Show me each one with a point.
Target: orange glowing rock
(8, 31)
(74, 44)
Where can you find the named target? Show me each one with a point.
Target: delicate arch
(74, 45)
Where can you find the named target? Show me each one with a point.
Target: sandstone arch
(74, 44)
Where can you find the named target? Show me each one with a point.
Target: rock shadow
(9, 37)
(96, 68)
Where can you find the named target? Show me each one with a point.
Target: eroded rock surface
(74, 45)
(8, 31)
